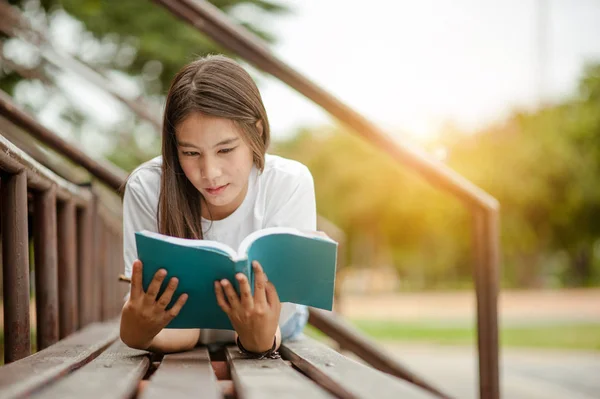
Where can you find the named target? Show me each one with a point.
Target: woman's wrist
(135, 341)
(257, 344)
(130, 333)
(259, 353)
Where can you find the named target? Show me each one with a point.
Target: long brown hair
(216, 86)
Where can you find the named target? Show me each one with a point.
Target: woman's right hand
(144, 315)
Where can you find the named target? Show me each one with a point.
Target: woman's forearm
(165, 341)
(175, 340)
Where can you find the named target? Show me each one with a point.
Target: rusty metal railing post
(486, 276)
(115, 267)
(102, 273)
(123, 288)
(85, 263)
(46, 267)
(109, 270)
(15, 261)
(67, 269)
(96, 263)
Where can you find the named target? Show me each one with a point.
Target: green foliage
(390, 217)
(137, 41)
(137, 33)
(542, 166)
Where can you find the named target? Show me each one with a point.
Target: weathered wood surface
(269, 378)
(67, 268)
(346, 377)
(115, 373)
(33, 372)
(15, 270)
(349, 338)
(46, 267)
(183, 375)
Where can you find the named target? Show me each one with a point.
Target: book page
(247, 242)
(301, 265)
(215, 245)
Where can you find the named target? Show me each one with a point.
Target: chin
(221, 200)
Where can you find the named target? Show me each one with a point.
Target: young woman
(213, 181)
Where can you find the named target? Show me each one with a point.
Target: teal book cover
(301, 265)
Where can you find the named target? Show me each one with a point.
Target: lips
(216, 190)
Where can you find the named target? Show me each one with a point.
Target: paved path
(527, 374)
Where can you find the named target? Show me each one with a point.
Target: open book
(301, 265)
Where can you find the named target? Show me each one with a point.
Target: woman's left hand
(255, 319)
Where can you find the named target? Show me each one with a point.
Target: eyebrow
(223, 142)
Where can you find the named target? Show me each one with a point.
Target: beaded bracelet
(269, 354)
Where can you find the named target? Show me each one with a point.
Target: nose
(210, 169)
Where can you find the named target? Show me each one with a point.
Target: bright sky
(412, 65)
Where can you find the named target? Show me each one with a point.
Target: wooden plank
(97, 250)
(349, 338)
(67, 269)
(116, 373)
(345, 377)
(26, 375)
(46, 267)
(269, 378)
(13, 160)
(15, 270)
(183, 375)
(103, 278)
(85, 263)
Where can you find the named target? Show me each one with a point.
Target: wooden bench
(94, 363)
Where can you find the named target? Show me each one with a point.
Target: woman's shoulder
(279, 167)
(146, 176)
(283, 175)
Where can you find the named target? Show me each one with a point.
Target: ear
(260, 127)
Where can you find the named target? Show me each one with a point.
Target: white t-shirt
(282, 195)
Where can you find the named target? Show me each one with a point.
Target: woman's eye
(190, 153)
(227, 150)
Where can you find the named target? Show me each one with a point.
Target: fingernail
(223, 282)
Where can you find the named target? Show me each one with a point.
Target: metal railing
(484, 208)
(80, 217)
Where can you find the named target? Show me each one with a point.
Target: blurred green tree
(543, 167)
(136, 41)
(140, 37)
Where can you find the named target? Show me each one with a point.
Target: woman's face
(217, 160)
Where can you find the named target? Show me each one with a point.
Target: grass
(564, 336)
